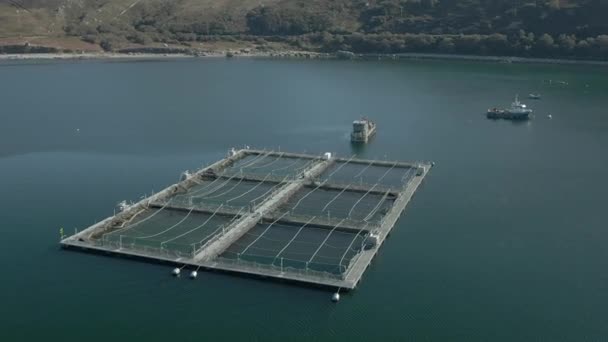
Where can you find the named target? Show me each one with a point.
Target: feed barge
(363, 130)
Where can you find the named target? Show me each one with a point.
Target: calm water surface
(506, 241)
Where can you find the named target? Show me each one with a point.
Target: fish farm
(309, 219)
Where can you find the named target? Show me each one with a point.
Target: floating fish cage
(298, 217)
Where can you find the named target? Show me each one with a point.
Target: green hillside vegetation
(536, 28)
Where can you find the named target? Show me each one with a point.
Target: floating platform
(316, 220)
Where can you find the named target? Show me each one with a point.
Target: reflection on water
(357, 148)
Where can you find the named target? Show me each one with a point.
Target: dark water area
(505, 241)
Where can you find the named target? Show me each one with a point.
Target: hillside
(547, 28)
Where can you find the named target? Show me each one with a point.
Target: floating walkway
(316, 220)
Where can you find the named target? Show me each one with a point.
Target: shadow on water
(513, 122)
(520, 122)
(358, 148)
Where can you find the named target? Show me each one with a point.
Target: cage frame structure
(276, 188)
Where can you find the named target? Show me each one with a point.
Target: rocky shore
(146, 53)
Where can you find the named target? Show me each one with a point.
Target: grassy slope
(35, 22)
(45, 20)
(47, 17)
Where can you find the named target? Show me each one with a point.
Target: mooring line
(356, 203)
(217, 188)
(164, 231)
(341, 166)
(323, 243)
(363, 171)
(265, 230)
(349, 246)
(144, 220)
(288, 166)
(335, 198)
(375, 209)
(227, 191)
(250, 190)
(217, 178)
(190, 231)
(276, 159)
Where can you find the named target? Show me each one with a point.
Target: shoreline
(296, 55)
(87, 55)
(494, 59)
(144, 55)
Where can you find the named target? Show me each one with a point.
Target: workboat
(363, 130)
(517, 111)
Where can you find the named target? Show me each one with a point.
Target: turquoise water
(506, 239)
